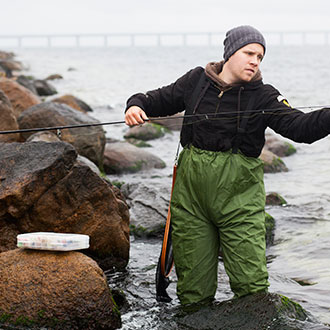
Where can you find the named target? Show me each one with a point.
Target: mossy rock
(274, 198)
(270, 226)
(145, 132)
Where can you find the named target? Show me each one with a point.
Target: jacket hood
(213, 69)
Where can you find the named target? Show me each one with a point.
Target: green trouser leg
(218, 199)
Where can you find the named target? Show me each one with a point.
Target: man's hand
(135, 116)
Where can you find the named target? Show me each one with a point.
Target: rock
(5, 72)
(174, 123)
(148, 208)
(6, 55)
(44, 188)
(145, 132)
(88, 141)
(45, 136)
(11, 65)
(74, 103)
(274, 198)
(253, 312)
(270, 229)
(27, 82)
(279, 147)
(272, 163)
(44, 88)
(54, 290)
(20, 97)
(8, 120)
(90, 164)
(54, 77)
(123, 157)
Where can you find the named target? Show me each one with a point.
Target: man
(218, 197)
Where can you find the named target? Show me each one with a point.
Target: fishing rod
(207, 116)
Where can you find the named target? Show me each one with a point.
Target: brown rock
(54, 77)
(57, 290)
(44, 188)
(45, 136)
(12, 65)
(6, 55)
(8, 121)
(20, 97)
(278, 146)
(74, 103)
(88, 141)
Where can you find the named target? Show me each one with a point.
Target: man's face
(244, 63)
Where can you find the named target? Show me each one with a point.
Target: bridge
(155, 39)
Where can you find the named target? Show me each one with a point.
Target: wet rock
(27, 82)
(45, 136)
(44, 188)
(8, 120)
(54, 77)
(54, 290)
(174, 123)
(89, 163)
(88, 141)
(148, 208)
(44, 88)
(272, 163)
(6, 55)
(74, 103)
(253, 312)
(123, 157)
(279, 147)
(145, 132)
(274, 198)
(270, 229)
(20, 97)
(11, 65)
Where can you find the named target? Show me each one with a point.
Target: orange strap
(167, 230)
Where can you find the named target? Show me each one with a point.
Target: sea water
(299, 260)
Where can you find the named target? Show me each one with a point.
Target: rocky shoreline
(56, 181)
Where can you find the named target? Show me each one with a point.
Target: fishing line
(203, 117)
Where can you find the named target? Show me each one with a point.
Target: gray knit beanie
(239, 37)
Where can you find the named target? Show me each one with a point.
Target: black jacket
(218, 130)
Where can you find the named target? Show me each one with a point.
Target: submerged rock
(57, 290)
(44, 188)
(123, 157)
(88, 141)
(253, 312)
(274, 198)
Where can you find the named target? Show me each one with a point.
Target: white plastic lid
(53, 241)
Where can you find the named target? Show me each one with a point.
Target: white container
(53, 241)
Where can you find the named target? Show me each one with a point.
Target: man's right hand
(135, 116)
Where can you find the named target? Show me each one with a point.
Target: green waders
(218, 199)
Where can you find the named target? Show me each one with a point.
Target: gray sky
(115, 16)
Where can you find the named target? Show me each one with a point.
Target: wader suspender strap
(241, 130)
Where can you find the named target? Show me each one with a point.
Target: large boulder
(148, 208)
(54, 290)
(74, 103)
(20, 97)
(27, 82)
(7, 119)
(44, 188)
(252, 312)
(88, 141)
(123, 157)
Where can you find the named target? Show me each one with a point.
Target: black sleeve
(293, 123)
(167, 100)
